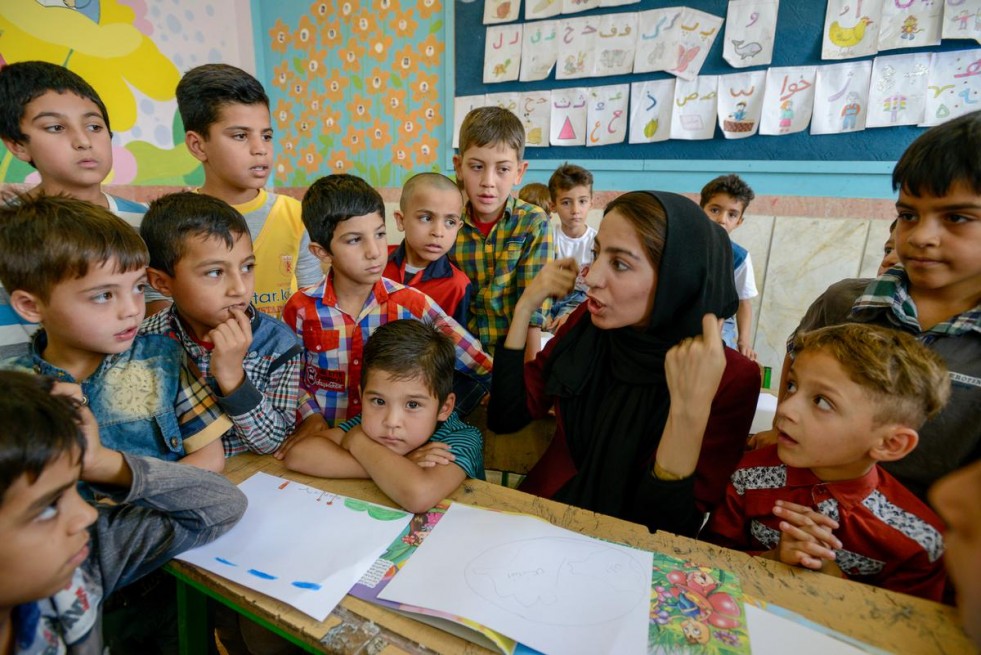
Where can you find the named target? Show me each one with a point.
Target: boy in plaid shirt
(201, 257)
(346, 221)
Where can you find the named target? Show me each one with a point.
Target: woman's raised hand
(694, 366)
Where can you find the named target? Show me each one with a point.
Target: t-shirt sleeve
(745, 280)
(466, 443)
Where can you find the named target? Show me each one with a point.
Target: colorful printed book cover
(695, 609)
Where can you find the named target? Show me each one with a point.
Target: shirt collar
(848, 493)
(468, 216)
(329, 297)
(44, 367)
(436, 270)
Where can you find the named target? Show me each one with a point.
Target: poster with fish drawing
(606, 118)
(897, 92)
(535, 110)
(650, 110)
(502, 53)
(910, 24)
(616, 38)
(576, 47)
(962, 19)
(788, 100)
(538, 50)
(953, 85)
(501, 11)
(741, 103)
(694, 112)
(535, 9)
(656, 28)
(462, 106)
(697, 32)
(568, 119)
(851, 28)
(751, 27)
(841, 97)
(576, 6)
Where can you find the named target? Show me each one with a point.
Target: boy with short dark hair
(571, 188)
(407, 430)
(80, 271)
(346, 221)
(55, 121)
(60, 556)
(504, 242)
(429, 214)
(201, 257)
(855, 396)
(725, 200)
(935, 296)
(228, 129)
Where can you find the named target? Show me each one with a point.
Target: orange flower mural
(378, 81)
(321, 11)
(316, 66)
(338, 162)
(364, 25)
(330, 35)
(360, 109)
(351, 56)
(403, 24)
(431, 51)
(303, 36)
(330, 121)
(401, 156)
(283, 113)
(427, 150)
(334, 86)
(279, 36)
(425, 87)
(427, 8)
(380, 46)
(282, 76)
(298, 89)
(395, 104)
(405, 60)
(354, 140)
(310, 159)
(379, 135)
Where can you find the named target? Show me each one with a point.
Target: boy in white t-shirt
(571, 188)
(725, 199)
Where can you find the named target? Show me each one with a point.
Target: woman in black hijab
(652, 412)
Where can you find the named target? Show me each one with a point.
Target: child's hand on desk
(231, 341)
(312, 426)
(806, 537)
(435, 453)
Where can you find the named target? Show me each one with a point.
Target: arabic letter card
(502, 53)
(693, 42)
(788, 100)
(576, 6)
(576, 47)
(606, 118)
(953, 85)
(694, 112)
(851, 29)
(657, 29)
(535, 110)
(906, 24)
(535, 9)
(650, 110)
(462, 106)
(751, 27)
(897, 91)
(841, 97)
(741, 103)
(538, 50)
(568, 119)
(501, 11)
(508, 100)
(615, 41)
(962, 19)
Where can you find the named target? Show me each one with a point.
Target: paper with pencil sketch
(300, 545)
(552, 589)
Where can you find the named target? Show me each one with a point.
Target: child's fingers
(803, 515)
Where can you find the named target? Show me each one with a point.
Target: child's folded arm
(318, 454)
(263, 420)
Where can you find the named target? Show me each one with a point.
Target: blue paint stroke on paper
(262, 574)
(313, 586)
(225, 561)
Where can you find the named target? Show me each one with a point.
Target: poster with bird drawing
(897, 92)
(502, 53)
(910, 24)
(841, 97)
(751, 27)
(851, 28)
(650, 110)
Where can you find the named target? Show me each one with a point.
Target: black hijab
(610, 384)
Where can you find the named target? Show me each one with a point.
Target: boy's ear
(20, 150)
(447, 408)
(522, 167)
(457, 165)
(27, 305)
(195, 145)
(319, 252)
(160, 280)
(897, 442)
(399, 218)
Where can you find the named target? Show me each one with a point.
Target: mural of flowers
(370, 104)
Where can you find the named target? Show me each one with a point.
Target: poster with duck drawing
(851, 28)
(910, 24)
(751, 27)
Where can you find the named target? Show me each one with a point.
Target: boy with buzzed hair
(80, 272)
(429, 213)
(407, 433)
(201, 257)
(725, 200)
(55, 121)
(504, 242)
(228, 129)
(61, 557)
(571, 188)
(855, 396)
(346, 220)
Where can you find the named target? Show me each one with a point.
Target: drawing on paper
(526, 579)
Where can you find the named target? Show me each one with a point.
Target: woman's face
(621, 279)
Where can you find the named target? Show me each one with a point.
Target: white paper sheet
(657, 29)
(462, 106)
(568, 119)
(616, 39)
(576, 43)
(698, 31)
(953, 86)
(789, 99)
(851, 28)
(751, 27)
(552, 589)
(962, 19)
(770, 634)
(897, 92)
(502, 53)
(576, 6)
(300, 545)
(606, 117)
(741, 103)
(650, 110)
(542, 9)
(906, 24)
(695, 108)
(501, 11)
(539, 50)
(841, 97)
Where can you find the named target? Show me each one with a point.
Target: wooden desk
(893, 622)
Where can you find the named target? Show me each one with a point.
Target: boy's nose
(81, 140)
(371, 249)
(924, 233)
(82, 515)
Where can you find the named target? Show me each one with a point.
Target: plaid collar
(890, 293)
